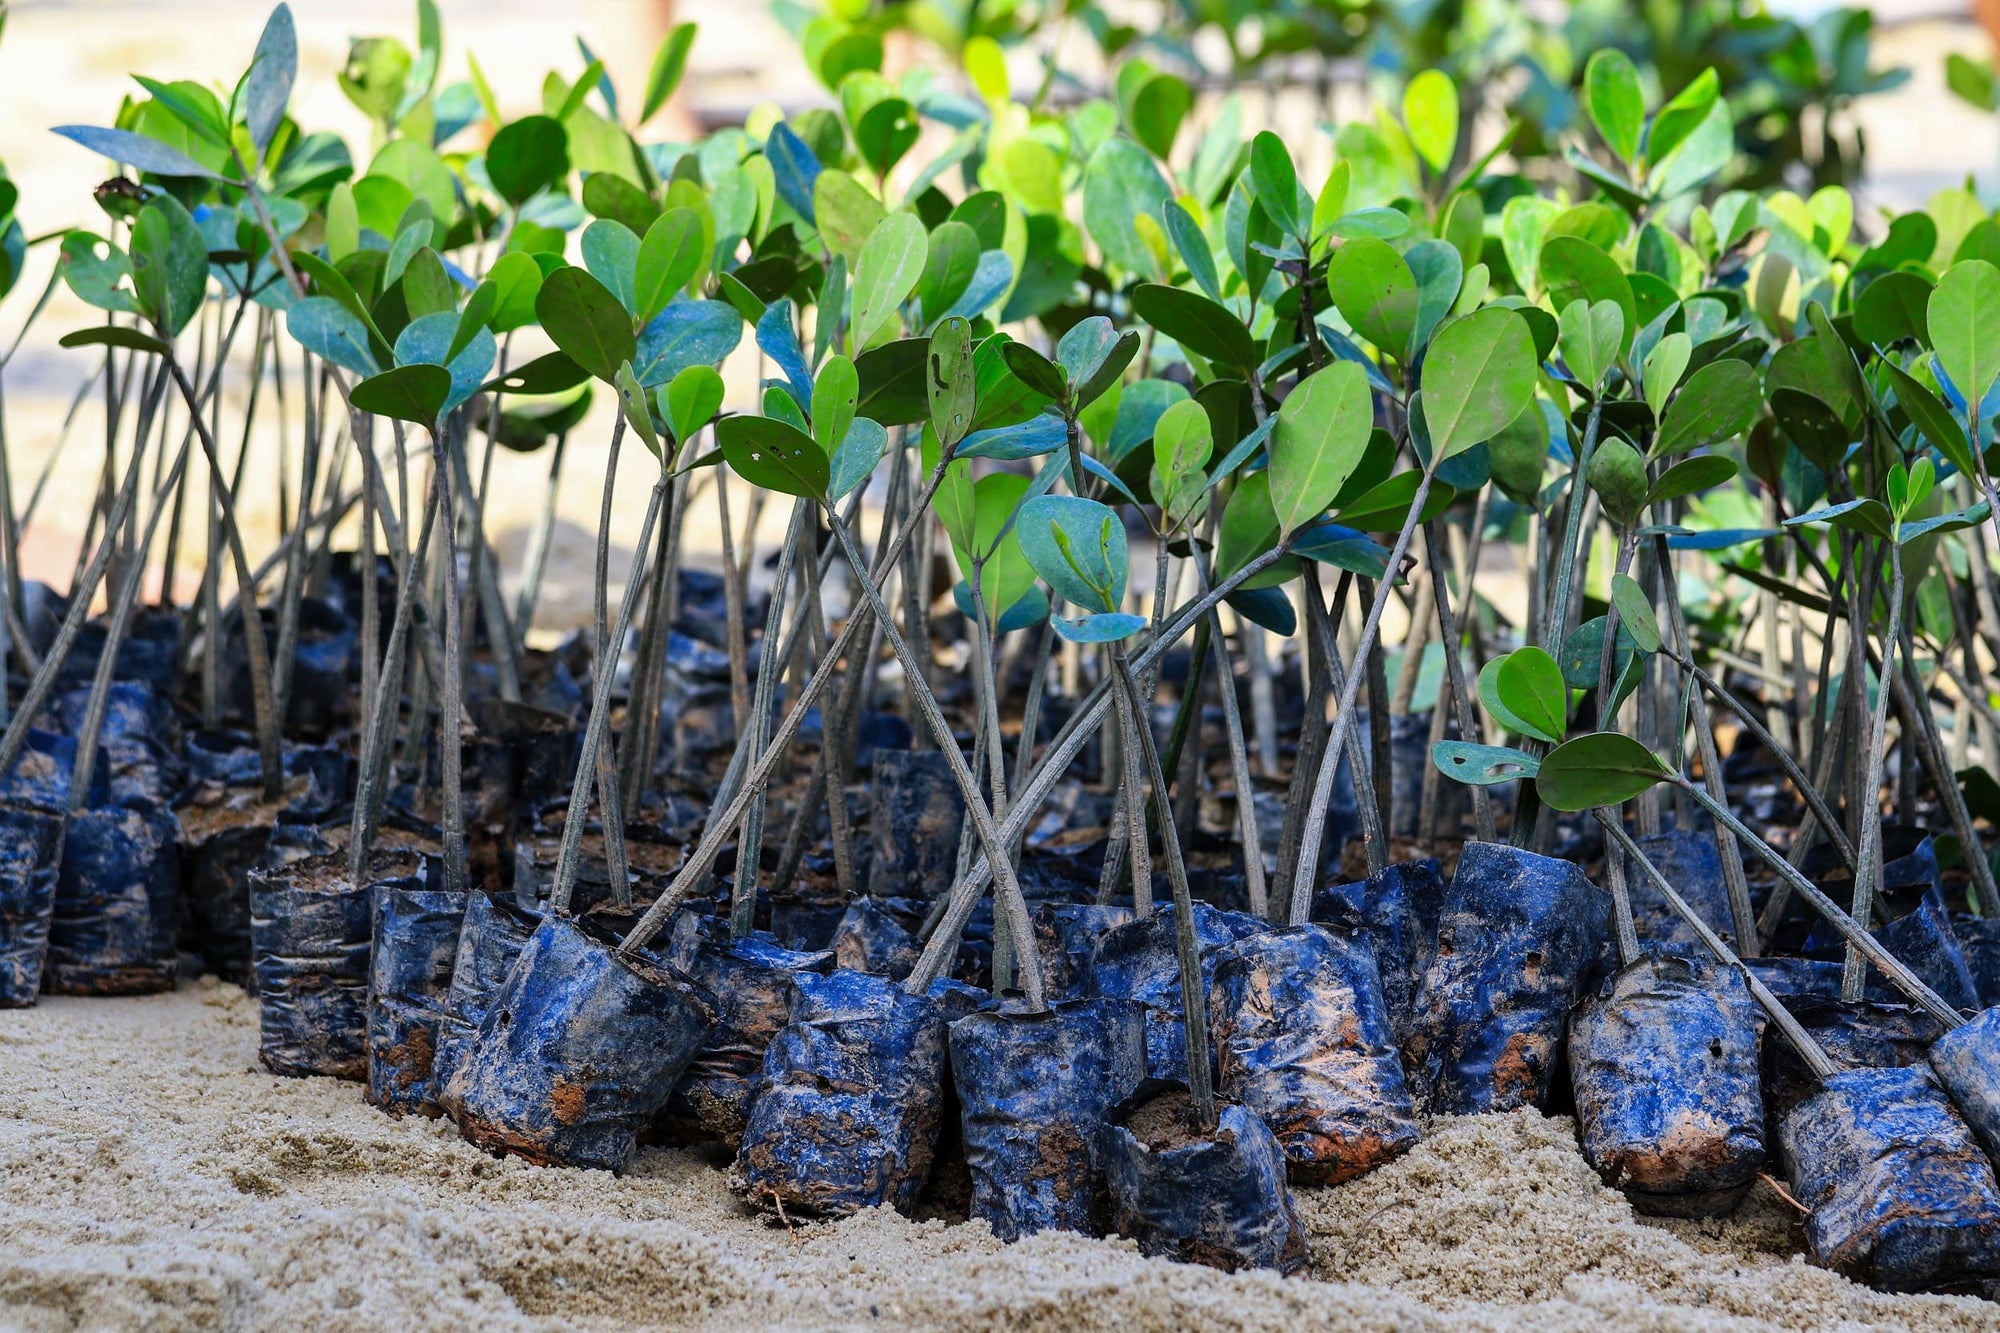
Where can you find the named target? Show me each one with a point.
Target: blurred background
(1894, 101)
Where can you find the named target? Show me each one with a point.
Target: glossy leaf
(1322, 432)
(1478, 377)
(774, 455)
(414, 393)
(1602, 769)
(586, 321)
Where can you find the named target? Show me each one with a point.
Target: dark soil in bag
(1397, 910)
(1217, 1198)
(410, 965)
(1979, 941)
(1663, 1063)
(1302, 1037)
(1138, 961)
(1409, 760)
(1918, 932)
(914, 823)
(879, 936)
(1966, 1061)
(311, 927)
(136, 742)
(30, 849)
(320, 699)
(1901, 1196)
(1516, 939)
(578, 1051)
(1868, 1034)
(117, 904)
(754, 983)
(1690, 862)
(1033, 1090)
(489, 940)
(1066, 935)
(848, 1111)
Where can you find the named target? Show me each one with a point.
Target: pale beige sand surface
(152, 1176)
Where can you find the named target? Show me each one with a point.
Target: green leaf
(1322, 433)
(136, 150)
(1375, 292)
(949, 268)
(855, 458)
(847, 214)
(1183, 440)
(609, 196)
(1193, 249)
(1717, 402)
(516, 280)
(169, 263)
(1690, 476)
(690, 401)
(1530, 687)
(886, 272)
(1588, 338)
(835, 392)
(1120, 184)
(268, 85)
(1078, 547)
(1158, 108)
(774, 455)
(1202, 326)
(1482, 765)
(1893, 308)
(1384, 508)
(951, 381)
(1618, 475)
(478, 313)
(1964, 319)
(669, 63)
(551, 373)
(668, 260)
(1034, 370)
(1430, 113)
(1684, 114)
(1603, 768)
(1635, 613)
(1617, 104)
(632, 401)
(527, 157)
(1573, 269)
(115, 335)
(585, 320)
(1930, 416)
(1478, 376)
(1277, 183)
(1665, 365)
(1867, 516)
(1943, 523)
(414, 393)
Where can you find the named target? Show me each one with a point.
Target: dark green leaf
(1600, 769)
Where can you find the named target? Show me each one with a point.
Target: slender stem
(1305, 873)
(1194, 1002)
(569, 861)
(1868, 872)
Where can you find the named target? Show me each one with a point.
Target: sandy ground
(152, 1176)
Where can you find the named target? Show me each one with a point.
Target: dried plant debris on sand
(156, 1178)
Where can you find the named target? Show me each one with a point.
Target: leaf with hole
(774, 455)
(1482, 765)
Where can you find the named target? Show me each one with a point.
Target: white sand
(152, 1176)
